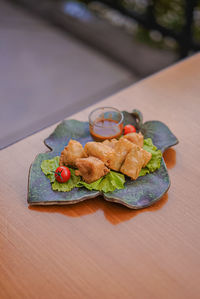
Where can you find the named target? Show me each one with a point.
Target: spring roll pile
(95, 160)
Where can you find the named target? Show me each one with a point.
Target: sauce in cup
(105, 123)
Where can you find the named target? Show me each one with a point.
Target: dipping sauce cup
(106, 123)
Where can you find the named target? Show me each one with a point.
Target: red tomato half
(129, 129)
(62, 174)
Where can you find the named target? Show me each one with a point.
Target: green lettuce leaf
(110, 182)
(155, 161)
(49, 167)
(91, 186)
(69, 185)
(144, 171)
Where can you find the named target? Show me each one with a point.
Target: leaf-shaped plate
(137, 194)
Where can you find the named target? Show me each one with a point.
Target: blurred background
(58, 57)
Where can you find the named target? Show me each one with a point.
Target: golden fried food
(97, 158)
(99, 150)
(136, 138)
(121, 149)
(133, 163)
(146, 156)
(91, 169)
(110, 142)
(71, 152)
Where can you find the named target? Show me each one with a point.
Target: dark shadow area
(114, 213)
(170, 158)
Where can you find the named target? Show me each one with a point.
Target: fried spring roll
(136, 138)
(99, 150)
(91, 169)
(111, 143)
(122, 148)
(146, 156)
(71, 152)
(133, 163)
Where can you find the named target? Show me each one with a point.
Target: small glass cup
(106, 123)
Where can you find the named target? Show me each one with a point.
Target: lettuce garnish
(49, 167)
(113, 180)
(110, 182)
(155, 161)
(69, 185)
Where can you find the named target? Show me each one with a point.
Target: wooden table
(98, 249)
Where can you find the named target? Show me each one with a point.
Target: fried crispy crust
(111, 143)
(91, 169)
(124, 155)
(136, 138)
(71, 152)
(121, 149)
(146, 156)
(133, 163)
(135, 160)
(99, 150)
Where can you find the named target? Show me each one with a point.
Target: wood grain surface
(98, 249)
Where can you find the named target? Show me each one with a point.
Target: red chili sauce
(105, 129)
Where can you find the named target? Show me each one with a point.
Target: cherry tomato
(129, 129)
(62, 174)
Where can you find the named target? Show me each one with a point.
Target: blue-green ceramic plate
(137, 194)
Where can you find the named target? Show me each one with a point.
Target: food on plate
(129, 129)
(96, 158)
(62, 174)
(133, 163)
(100, 151)
(108, 183)
(91, 169)
(155, 160)
(93, 165)
(136, 138)
(110, 142)
(146, 157)
(71, 153)
(121, 149)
